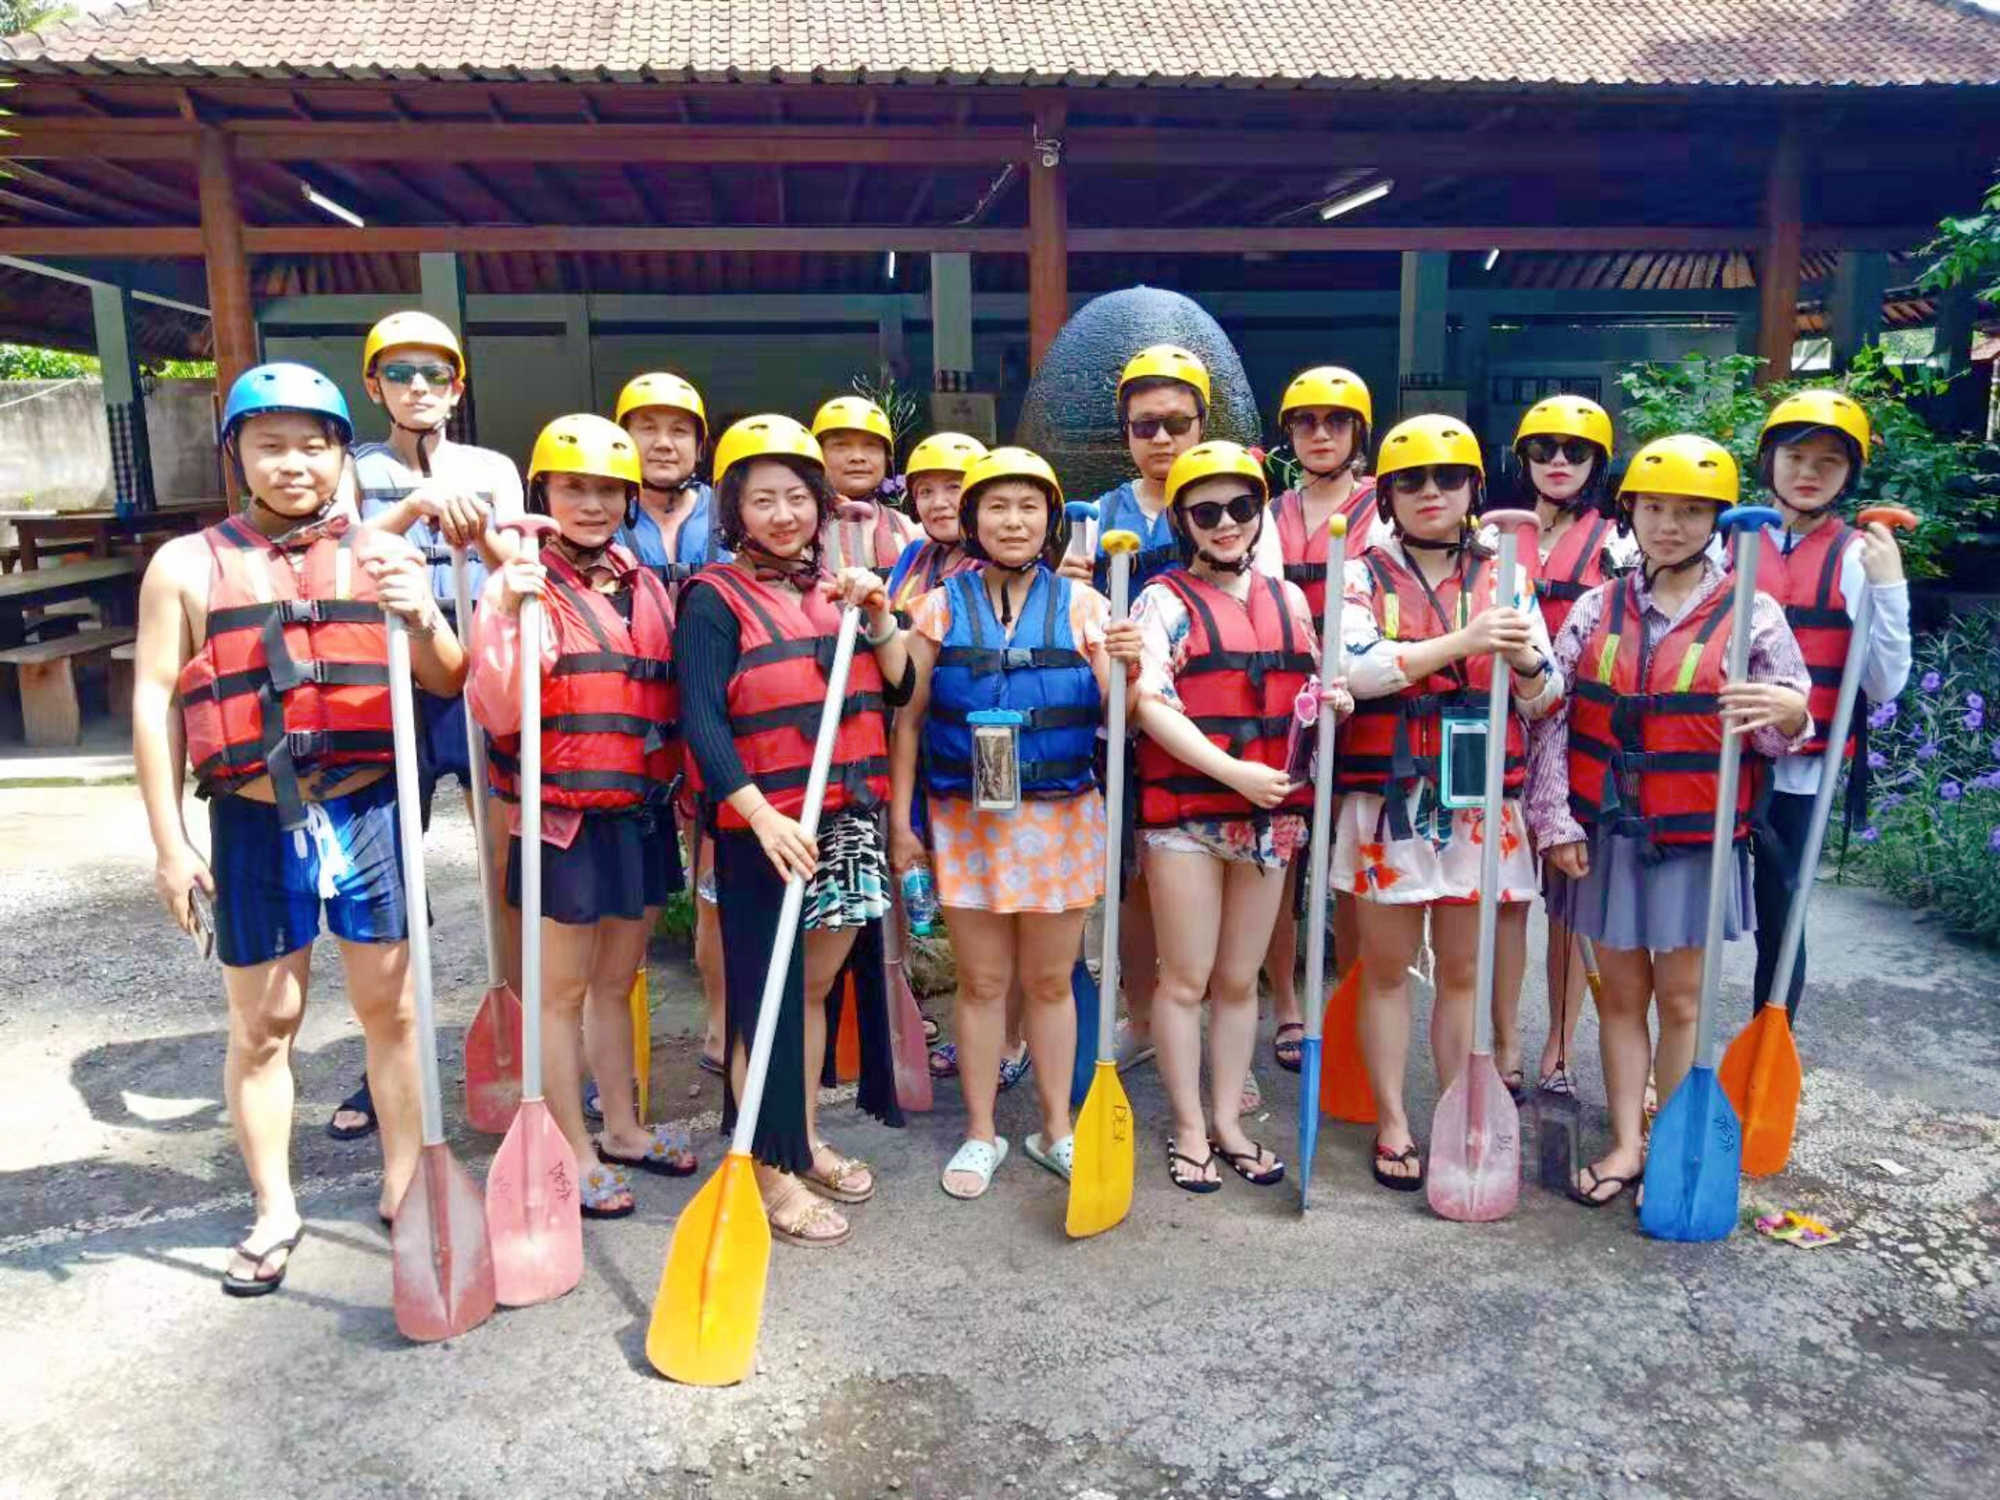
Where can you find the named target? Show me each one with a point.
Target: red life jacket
(875, 543)
(1393, 742)
(609, 708)
(1305, 555)
(1644, 736)
(1244, 668)
(786, 645)
(293, 677)
(1807, 582)
(1574, 566)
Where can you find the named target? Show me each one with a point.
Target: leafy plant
(31, 362)
(676, 919)
(903, 407)
(1935, 755)
(1967, 251)
(17, 16)
(1935, 476)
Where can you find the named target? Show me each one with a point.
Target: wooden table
(107, 580)
(100, 528)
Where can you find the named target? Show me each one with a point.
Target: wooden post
(1778, 260)
(1048, 234)
(233, 322)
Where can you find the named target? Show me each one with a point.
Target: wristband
(883, 639)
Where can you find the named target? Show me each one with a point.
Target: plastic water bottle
(920, 900)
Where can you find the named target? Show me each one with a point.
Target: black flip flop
(709, 1064)
(1271, 1175)
(254, 1285)
(1198, 1184)
(1289, 1064)
(1398, 1184)
(360, 1102)
(1585, 1195)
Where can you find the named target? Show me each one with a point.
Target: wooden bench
(111, 583)
(50, 711)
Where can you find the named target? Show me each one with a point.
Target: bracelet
(427, 628)
(886, 637)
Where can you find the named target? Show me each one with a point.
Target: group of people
(687, 641)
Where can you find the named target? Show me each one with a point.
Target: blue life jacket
(1039, 674)
(1159, 550)
(695, 544)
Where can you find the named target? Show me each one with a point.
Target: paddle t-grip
(1895, 517)
(1076, 513)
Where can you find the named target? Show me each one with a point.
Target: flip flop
(944, 1060)
(598, 1188)
(1014, 1069)
(980, 1158)
(360, 1102)
(1275, 1173)
(1191, 1184)
(591, 1111)
(1587, 1196)
(1059, 1158)
(1290, 1050)
(709, 1064)
(254, 1285)
(670, 1153)
(1517, 1085)
(1389, 1180)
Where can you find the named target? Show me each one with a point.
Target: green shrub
(30, 362)
(1934, 838)
(1911, 465)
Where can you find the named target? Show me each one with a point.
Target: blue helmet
(285, 387)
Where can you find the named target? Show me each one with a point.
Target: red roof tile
(1191, 43)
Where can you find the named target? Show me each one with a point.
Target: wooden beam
(230, 309)
(97, 202)
(1778, 260)
(888, 145)
(23, 203)
(1048, 234)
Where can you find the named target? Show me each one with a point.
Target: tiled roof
(1078, 43)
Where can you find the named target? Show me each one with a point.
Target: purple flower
(1950, 791)
(1877, 760)
(1883, 715)
(1974, 719)
(1928, 750)
(1987, 782)
(1993, 840)
(1930, 682)
(1975, 702)
(1870, 835)
(1890, 803)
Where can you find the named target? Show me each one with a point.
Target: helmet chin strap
(1804, 510)
(1426, 544)
(581, 556)
(1239, 564)
(672, 489)
(1692, 560)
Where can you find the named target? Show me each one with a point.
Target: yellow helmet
(1011, 463)
(1566, 416)
(944, 452)
(1207, 460)
(659, 388)
(1821, 408)
(1419, 442)
(1328, 385)
(766, 436)
(401, 328)
(853, 414)
(1164, 362)
(584, 444)
(1684, 465)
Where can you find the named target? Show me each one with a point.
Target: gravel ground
(1218, 1346)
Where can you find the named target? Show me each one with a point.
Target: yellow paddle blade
(1760, 1074)
(711, 1297)
(1100, 1179)
(642, 1038)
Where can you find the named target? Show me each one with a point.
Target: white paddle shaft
(475, 750)
(752, 1102)
(1498, 706)
(410, 826)
(531, 846)
(1114, 818)
(1332, 668)
(1722, 851)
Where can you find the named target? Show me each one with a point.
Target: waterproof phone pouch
(1462, 758)
(1302, 739)
(996, 759)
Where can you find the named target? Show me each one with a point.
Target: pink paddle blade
(533, 1210)
(441, 1262)
(493, 1061)
(913, 1070)
(1475, 1167)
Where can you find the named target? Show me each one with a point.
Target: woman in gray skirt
(1644, 659)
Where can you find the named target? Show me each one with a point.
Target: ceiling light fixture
(1352, 201)
(325, 204)
(1492, 259)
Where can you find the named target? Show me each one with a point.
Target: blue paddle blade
(1308, 1116)
(1693, 1164)
(1084, 987)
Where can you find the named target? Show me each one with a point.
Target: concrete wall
(55, 445)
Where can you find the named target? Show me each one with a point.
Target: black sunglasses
(1242, 510)
(400, 373)
(1149, 427)
(1448, 477)
(1543, 450)
(1334, 423)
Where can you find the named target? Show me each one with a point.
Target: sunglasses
(1333, 424)
(1446, 476)
(400, 373)
(1149, 427)
(1242, 510)
(1543, 450)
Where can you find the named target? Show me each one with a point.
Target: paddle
(1696, 1151)
(711, 1296)
(532, 1206)
(1100, 1181)
(441, 1263)
(1332, 668)
(641, 1009)
(906, 1022)
(1559, 1115)
(493, 1041)
(1760, 1072)
(1475, 1171)
(1082, 984)
(847, 1031)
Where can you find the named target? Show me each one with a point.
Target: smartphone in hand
(203, 911)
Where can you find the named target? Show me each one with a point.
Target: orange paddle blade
(493, 1061)
(1100, 1179)
(1761, 1075)
(847, 1041)
(913, 1066)
(442, 1266)
(642, 1039)
(711, 1297)
(533, 1212)
(1343, 1081)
